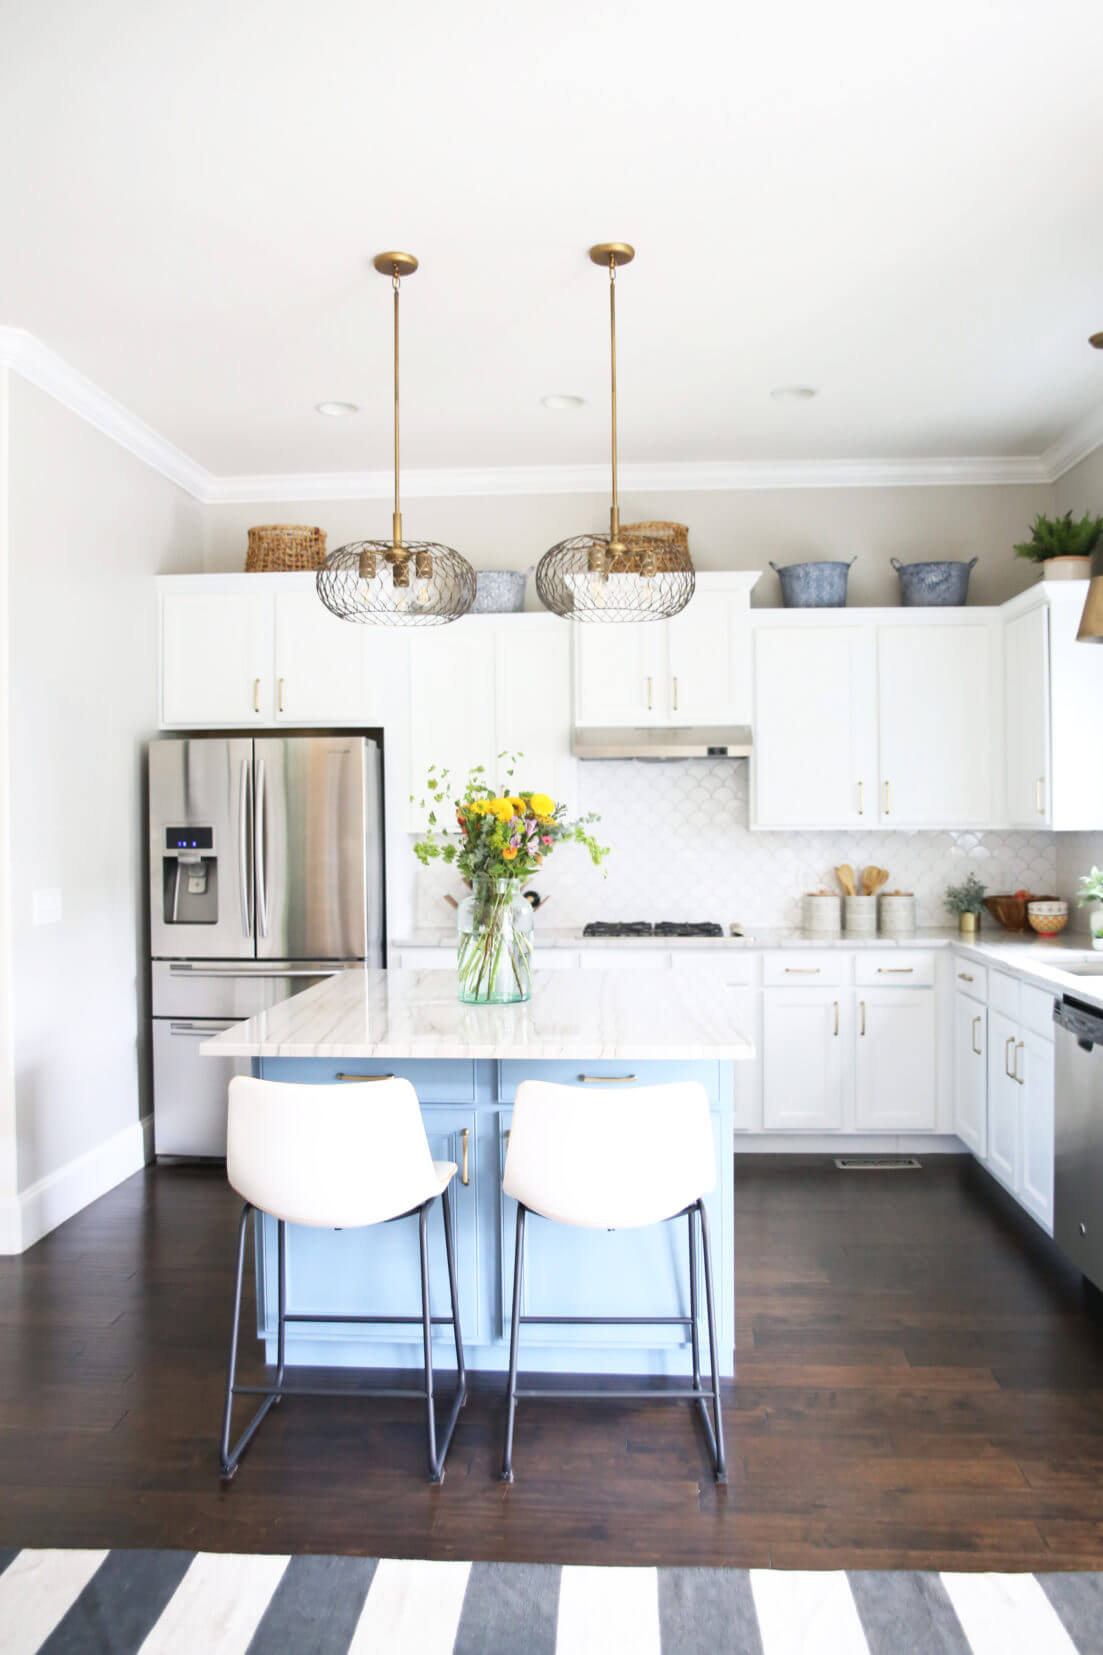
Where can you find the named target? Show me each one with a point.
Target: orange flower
(509, 852)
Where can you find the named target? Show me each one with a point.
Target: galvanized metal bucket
(500, 592)
(932, 585)
(813, 585)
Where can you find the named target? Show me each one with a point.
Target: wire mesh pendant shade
(590, 578)
(421, 584)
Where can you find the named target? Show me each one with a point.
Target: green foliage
(1091, 887)
(1061, 537)
(967, 898)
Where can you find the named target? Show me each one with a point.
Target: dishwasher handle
(1083, 1022)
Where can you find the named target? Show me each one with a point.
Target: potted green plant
(1091, 898)
(967, 902)
(1062, 548)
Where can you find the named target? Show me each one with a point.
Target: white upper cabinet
(451, 710)
(1026, 707)
(321, 662)
(216, 655)
(813, 762)
(939, 733)
(694, 669)
(532, 701)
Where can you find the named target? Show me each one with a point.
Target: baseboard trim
(27, 1217)
(847, 1143)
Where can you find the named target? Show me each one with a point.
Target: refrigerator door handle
(199, 1029)
(261, 857)
(245, 859)
(250, 973)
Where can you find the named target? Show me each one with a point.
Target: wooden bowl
(1009, 910)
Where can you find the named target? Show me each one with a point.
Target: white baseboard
(27, 1217)
(846, 1143)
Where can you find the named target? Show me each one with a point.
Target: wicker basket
(675, 535)
(284, 546)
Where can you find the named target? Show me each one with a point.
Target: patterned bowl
(1047, 918)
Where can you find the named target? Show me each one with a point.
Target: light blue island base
(467, 1106)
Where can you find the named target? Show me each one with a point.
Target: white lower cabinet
(1003, 1100)
(895, 1063)
(1036, 1074)
(970, 1047)
(802, 1065)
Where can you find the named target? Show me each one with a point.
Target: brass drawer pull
(1007, 1048)
(650, 696)
(965, 976)
(1020, 1046)
(1038, 804)
(895, 970)
(977, 1049)
(861, 799)
(675, 695)
(464, 1135)
(836, 1017)
(280, 697)
(256, 695)
(340, 1076)
(887, 810)
(604, 1080)
(862, 1004)
(803, 970)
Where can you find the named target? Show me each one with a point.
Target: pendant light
(611, 577)
(396, 582)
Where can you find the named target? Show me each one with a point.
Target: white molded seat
(334, 1157)
(608, 1160)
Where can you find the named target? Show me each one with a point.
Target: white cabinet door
(802, 1069)
(532, 702)
(708, 666)
(1026, 714)
(620, 673)
(894, 1068)
(1035, 1068)
(451, 712)
(970, 1074)
(1003, 1101)
(320, 663)
(216, 657)
(937, 744)
(813, 762)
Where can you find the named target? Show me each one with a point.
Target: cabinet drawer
(971, 979)
(804, 968)
(735, 970)
(434, 1080)
(1036, 1010)
(1003, 994)
(894, 968)
(608, 1075)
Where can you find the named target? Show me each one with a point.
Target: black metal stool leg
(229, 1458)
(281, 1304)
(436, 1473)
(694, 1331)
(717, 1444)
(514, 1336)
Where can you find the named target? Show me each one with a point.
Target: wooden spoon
(845, 876)
(879, 878)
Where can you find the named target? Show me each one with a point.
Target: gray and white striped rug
(208, 1603)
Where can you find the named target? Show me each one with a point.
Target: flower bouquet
(502, 839)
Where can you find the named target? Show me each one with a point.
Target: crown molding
(26, 355)
(35, 362)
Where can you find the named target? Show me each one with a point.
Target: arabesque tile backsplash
(680, 848)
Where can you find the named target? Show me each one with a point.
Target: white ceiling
(899, 205)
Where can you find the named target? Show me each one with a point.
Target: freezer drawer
(189, 1111)
(233, 990)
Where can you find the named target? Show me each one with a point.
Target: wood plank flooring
(918, 1384)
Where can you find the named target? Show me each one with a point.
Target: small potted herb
(1091, 898)
(967, 902)
(1062, 548)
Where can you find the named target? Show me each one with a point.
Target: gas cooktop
(644, 928)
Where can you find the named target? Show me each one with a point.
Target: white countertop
(641, 1015)
(1045, 964)
(546, 937)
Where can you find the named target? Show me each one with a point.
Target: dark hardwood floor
(918, 1385)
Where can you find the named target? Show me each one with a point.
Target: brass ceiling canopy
(623, 575)
(1096, 339)
(396, 582)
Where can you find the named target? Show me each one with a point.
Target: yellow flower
(509, 853)
(542, 805)
(501, 808)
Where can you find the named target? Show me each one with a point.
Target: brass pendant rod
(614, 514)
(397, 519)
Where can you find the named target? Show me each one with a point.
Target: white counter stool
(605, 1161)
(334, 1158)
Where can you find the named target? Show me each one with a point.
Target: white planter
(1067, 568)
(1095, 924)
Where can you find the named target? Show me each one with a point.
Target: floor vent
(877, 1163)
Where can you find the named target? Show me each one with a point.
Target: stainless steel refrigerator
(266, 875)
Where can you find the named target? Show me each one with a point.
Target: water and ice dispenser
(189, 876)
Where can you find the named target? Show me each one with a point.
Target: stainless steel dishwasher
(1078, 1135)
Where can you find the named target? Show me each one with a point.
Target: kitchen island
(593, 1029)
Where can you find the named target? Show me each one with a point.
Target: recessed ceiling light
(793, 393)
(336, 410)
(561, 400)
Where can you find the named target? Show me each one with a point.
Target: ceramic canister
(860, 915)
(822, 912)
(897, 909)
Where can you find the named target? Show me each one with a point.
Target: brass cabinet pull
(1038, 785)
(973, 1038)
(836, 1017)
(965, 976)
(895, 970)
(1020, 1046)
(650, 683)
(279, 697)
(862, 1004)
(675, 695)
(861, 799)
(340, 1076)
(803, 970)
(604, 1080)
(256, 695)
(1007, 1045)
(887, 812)
(464, 1135)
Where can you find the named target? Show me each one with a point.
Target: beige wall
(1081, 489)
(88, 526)
(742, 529)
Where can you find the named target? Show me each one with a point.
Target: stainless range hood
(696, 741)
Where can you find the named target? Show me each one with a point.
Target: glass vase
(494, 957)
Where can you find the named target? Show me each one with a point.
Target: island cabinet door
(638, 1272)
(375, 1271)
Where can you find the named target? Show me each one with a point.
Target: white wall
(88, 526)
(742, 529)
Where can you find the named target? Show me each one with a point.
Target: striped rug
(199, 1603)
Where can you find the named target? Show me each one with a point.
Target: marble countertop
(444, 936)
(640, 1015)
(1045, 964)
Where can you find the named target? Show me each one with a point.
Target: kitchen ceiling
(897, 206)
